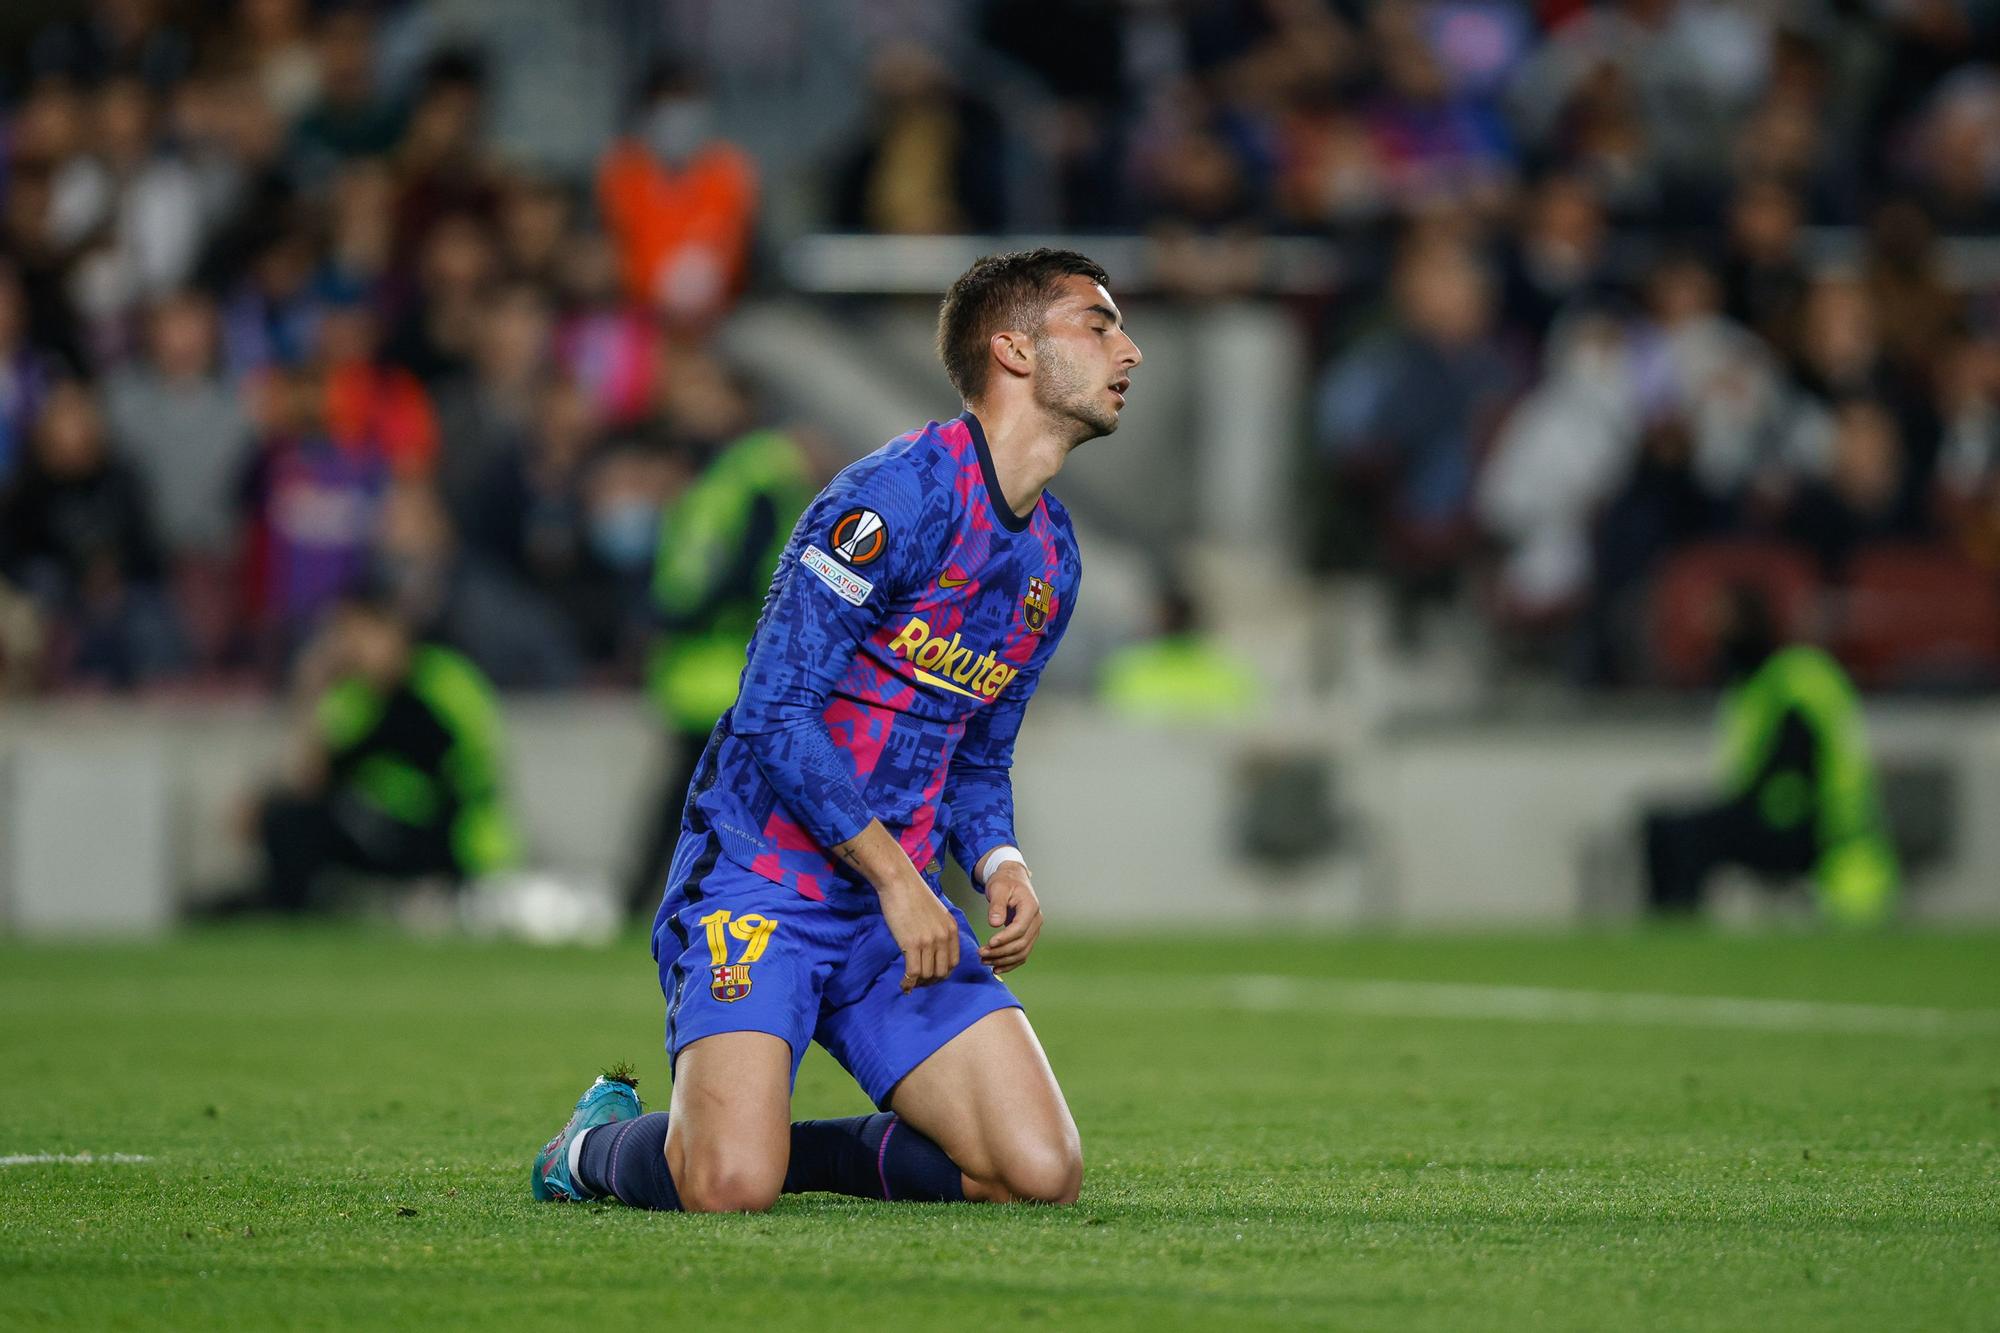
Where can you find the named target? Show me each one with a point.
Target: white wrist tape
(998, 857)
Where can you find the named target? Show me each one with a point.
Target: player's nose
(1131, 356)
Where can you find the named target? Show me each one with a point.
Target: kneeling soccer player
(917, 603)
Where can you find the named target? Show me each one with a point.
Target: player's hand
(1015, 913)
(926, 932)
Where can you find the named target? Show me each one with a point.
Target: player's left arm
(979, 791)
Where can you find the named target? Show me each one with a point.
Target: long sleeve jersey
(904, 631)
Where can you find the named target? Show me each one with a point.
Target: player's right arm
(823, 609)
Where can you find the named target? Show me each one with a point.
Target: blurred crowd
(280, 309)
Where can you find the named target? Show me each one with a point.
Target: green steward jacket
(427, 754)
(1179, 678)
(1793, 744)
(719, 546)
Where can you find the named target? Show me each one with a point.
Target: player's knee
(1044, 1172)
(729, 1183)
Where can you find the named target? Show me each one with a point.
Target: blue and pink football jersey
(904, 631)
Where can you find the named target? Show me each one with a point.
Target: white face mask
(676, 128)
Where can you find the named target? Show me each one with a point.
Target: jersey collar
(1002, 511)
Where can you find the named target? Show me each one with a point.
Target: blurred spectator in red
(77, 534)
(1862, 498)
(26, 372)
(373, 407)
(679, 202)
(312, 506)
(456, 597)
(129, 209)
(606, 345)
(1405, 414)
(486, 414)
(182, 427)
(931, 158)
(440, 322)
(351, 117)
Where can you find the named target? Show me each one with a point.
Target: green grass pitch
(1282, 1131)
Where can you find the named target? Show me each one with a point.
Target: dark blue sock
(628, 1161)
(870, 1157)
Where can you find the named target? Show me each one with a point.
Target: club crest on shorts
(859, 536)
(1035, 603)
(729, 982)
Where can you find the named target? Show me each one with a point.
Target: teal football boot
(612, 1098)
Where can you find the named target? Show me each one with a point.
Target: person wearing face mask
(718, 545)
(678, 202)
(1798, 783)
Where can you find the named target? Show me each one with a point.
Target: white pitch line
(70, 1158)
(1265, 993)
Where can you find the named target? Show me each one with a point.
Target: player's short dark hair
(1010, 291)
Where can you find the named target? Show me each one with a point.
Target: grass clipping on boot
(623, 1072)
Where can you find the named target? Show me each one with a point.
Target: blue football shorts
(739, 953)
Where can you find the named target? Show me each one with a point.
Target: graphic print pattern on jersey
(902, 636)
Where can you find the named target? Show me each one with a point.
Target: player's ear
(1013, 351)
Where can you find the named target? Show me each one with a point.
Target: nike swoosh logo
(947, 581)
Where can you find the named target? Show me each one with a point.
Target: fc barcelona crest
(1035, 604)
(729, 982)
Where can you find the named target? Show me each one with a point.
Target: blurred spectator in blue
(352, 117)
(112, 38)
(931, 160)
(312, 506)
(626, 490)
(1442, 144)
(183, 428)
(77, 534)
(129, 209)
(26, 373)
(270, 317)
(1405, 414)
(1203, 205)
(1558, 258)
(457, 597)
(487, 413)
